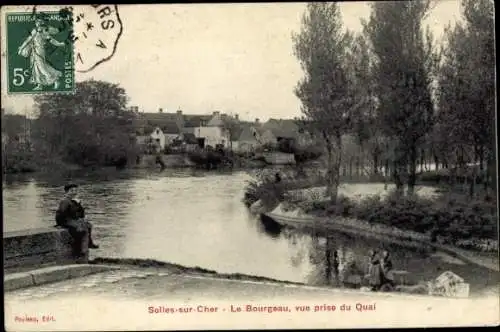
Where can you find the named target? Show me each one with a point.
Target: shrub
(17, 158)
(307, 154)
(267, 191)
(455, 217)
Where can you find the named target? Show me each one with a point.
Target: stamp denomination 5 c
(40, 52)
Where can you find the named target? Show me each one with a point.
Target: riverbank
(297, 219)
(448, 218)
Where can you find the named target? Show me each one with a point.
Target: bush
(456, 218)
(307, 154)
(16, 158)
(267, 191)
(446, 176)
(207, 158)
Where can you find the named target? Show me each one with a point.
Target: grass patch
(451, 218)
(454, 218)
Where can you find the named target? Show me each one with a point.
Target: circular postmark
(96, 32)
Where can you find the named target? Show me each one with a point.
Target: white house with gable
(214, 132)
(158, 138)
(213, 136)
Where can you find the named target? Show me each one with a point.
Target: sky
(233, 58)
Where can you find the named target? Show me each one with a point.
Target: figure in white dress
(42, 73)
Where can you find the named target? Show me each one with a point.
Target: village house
(271, 133)
(186, 142)
(244, 140)
(167, 128)
(215, 130)
(288, 131)
(158, 139)
(215, 133)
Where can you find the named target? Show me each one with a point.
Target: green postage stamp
(40, 52)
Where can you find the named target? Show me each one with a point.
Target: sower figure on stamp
(71, 215)
(34, 47)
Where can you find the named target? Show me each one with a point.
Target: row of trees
(401, 94)
(90, 127)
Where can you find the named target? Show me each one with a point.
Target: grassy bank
(24, 163)
(452, 218)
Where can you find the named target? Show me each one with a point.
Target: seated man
(71, 215)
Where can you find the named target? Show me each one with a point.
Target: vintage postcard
(249, 166)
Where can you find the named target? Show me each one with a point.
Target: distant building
(213, 136)
(246, 141)
(158, 139)
(209, 130)
(218, 129)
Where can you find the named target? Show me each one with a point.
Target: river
(196, 218)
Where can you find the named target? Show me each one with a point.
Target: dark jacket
(387, 263)
(69, 210)
(387, 270)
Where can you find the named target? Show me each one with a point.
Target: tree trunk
(334, 150)
(398, 170)
(375, 163)
(412, 178)
(422, 160)
(396, 175)
(328, 259)
(362, 161)
(482, 176)
(436, 163)
(491, 171)
(472, 183)
(481, 158)
(357, 166)
(350, 167)
(330, 190)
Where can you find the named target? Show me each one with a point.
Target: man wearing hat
(71, 215)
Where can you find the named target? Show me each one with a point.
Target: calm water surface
(196, 218)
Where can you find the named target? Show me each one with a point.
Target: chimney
(160, 110)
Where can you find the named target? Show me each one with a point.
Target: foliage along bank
(452, 218)
(91, 127)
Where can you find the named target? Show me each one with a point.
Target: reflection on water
(195, 218)
(186, 217)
